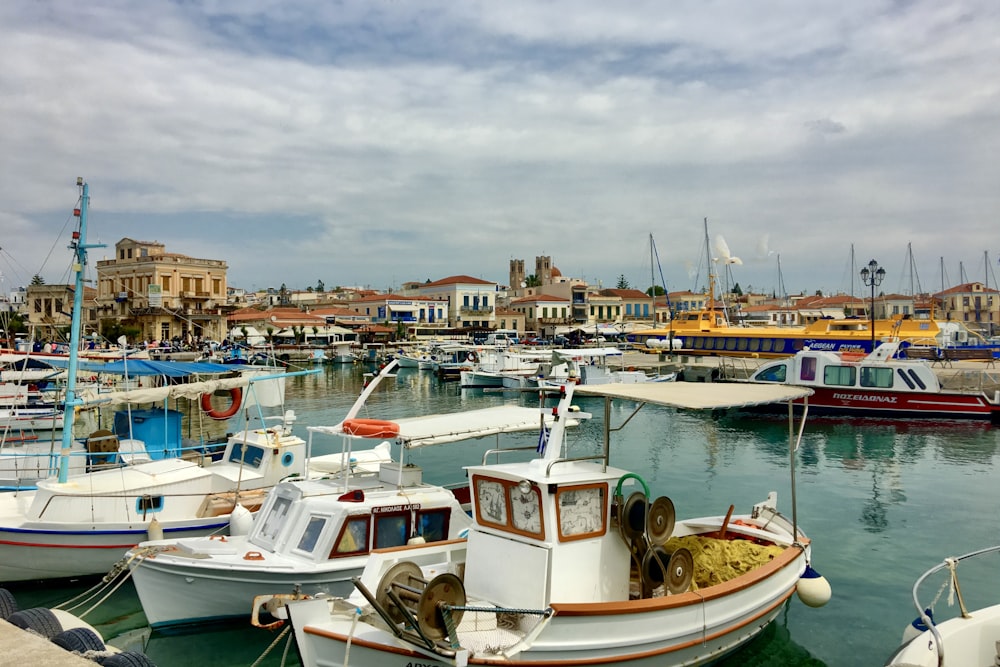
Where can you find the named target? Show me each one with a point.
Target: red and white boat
(877, 384)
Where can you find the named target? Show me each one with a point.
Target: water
(883, 501)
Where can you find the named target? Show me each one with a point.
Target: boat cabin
(878, 370)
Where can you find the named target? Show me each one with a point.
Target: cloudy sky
(381, 141)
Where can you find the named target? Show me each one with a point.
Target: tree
(623, 282)
(37, 280)
(532, 281)
(655, 290)
(736, 290)
(320, 287)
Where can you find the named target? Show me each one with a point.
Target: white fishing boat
(313, 536)
(590, 366)
(967, 638)
(570, 562)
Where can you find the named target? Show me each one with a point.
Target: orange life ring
(235, 398)
(371, 428)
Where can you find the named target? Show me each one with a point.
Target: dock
(21, 647)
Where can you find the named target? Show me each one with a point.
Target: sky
(377, 142)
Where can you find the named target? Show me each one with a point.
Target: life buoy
(371, 428)
(235, 398)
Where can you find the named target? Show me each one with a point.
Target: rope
(270, 648)
(350, 636)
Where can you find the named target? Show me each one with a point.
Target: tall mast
(79, 246)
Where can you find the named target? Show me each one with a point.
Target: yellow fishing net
(717, 561)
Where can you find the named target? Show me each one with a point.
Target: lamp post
(872, 276)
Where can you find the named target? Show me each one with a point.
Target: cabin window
(247, 454)
(839, 376)
(731, 344)
(709, 343)
(779, 344)
(773, 374)
(311, 534)
(876, 377)
(754, 345)
(742, 345)
(765, 345)
(275, 519)
(353, 538)
(433, 525)
(916, 378)
(581, 511)
(699, 343)
(905, 378)
(392, 530)
(491, 502)
(146, 504)
(808, 371)
(526, 510)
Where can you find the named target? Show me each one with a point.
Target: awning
(403, 309)
(452, 427)
(698, 395)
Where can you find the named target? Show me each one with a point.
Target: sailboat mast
(79, 246)
(708, 267)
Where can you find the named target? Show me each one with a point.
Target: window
(145, 504)
(392, 530)
(839, 376)
(773, 374)
(433, 525)
(876, 377)
(275, 519)
(247, 454)
(353, 538)
(311, 534)
(808, 370)
(581, 512)
(905, 378)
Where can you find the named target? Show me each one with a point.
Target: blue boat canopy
(137, 367)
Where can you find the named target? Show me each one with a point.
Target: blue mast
(79, 246)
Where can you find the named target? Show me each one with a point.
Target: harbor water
(882, 501)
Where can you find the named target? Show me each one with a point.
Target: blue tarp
(137, 367)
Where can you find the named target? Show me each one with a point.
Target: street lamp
(872, 276)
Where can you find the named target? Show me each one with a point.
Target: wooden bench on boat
(950, 354)
(931, 354)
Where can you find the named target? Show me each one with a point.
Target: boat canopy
(452, 427)
(697, 395)
(137, 367)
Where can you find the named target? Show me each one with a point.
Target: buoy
(155, 530)
(917, 627)
(240, 520)
(813, 588)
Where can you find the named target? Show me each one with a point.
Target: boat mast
(79, 246)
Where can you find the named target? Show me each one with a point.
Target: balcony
(471, 310)
(195, 295)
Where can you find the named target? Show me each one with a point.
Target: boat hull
(30, 553)
(910, 405)
(175, 590)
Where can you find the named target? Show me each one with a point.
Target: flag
(543, 440)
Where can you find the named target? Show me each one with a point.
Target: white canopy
(452, 427)
(697, 395)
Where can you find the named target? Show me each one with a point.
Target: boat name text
(862, 397)
(395, 508)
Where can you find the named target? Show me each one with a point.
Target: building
(49, 312)
(164, 296)
(410, 315)
(543, 314)
(973, 304)
(470, 302)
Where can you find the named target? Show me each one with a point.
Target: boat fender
(235, 399)
(8, 604)
(371, 428)
(128, 659)
(240, 520)
(154, 531)
(79, 640)
(917, 627)
(37, 619)
(813, 588)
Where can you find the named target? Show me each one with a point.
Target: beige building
(49, 311)
(164, 295)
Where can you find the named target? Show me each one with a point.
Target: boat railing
(505, 450)
(737, 368)
(951, 564)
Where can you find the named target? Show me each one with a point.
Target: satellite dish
(274, 318)
(523, 284)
